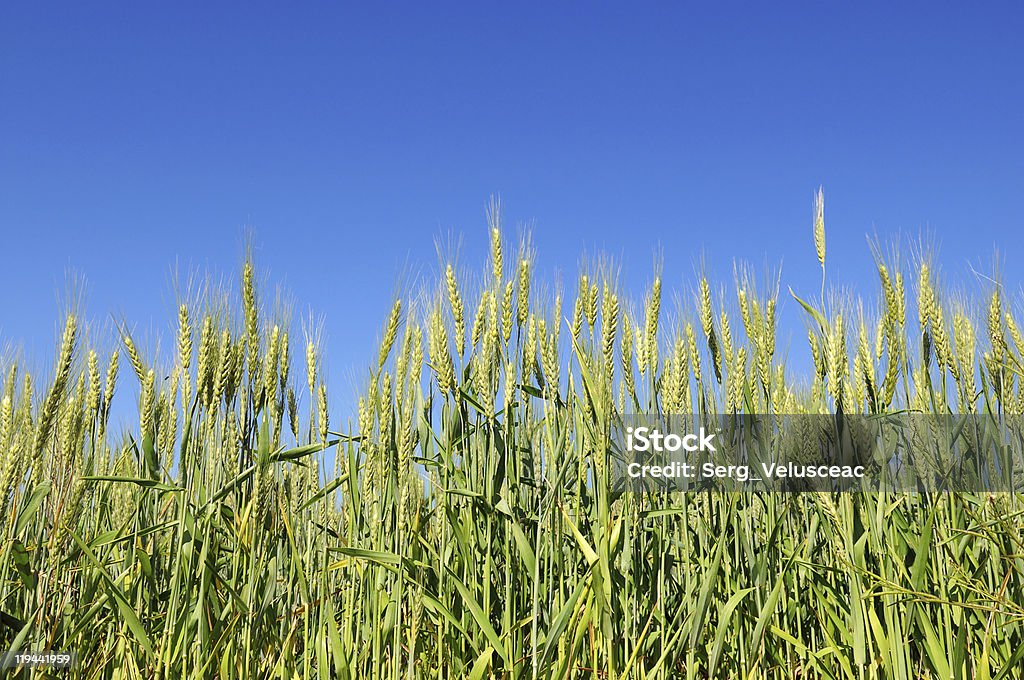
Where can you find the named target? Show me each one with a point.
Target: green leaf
(710, 578)
(724, 627)
(769, 606)
(482, 622)
(481, 665)
(22, 563)
(815, 314)
(28, 512)
(131, 619)
(375, 556)
(324, 492)
(17, 643)
(298, 452)
(525, 547)
(145, 483)
(561, 620)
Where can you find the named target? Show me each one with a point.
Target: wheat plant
(463, 523)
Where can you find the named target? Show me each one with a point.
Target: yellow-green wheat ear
(135, 358)
(523, 303)
(311, 366)
(819, 225)
(251, 314)
(497, 265)
(322, 412)
(390, 334)
(506, 311)
(819, 234)
(458, 308)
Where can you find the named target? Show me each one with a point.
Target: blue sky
(146, 139)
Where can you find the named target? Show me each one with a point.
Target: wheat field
(461, 523)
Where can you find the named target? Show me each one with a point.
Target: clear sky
(144, 139)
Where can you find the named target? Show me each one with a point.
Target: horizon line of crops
(466, 526)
